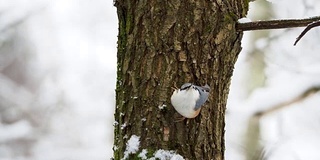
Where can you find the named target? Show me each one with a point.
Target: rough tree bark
(162, 44)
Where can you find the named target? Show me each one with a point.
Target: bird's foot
(178, 118)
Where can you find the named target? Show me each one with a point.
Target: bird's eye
(186, 86)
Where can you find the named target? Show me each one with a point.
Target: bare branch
(301, 97)
(310, 26)
(276, 24)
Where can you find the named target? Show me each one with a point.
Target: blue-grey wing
(204, 94)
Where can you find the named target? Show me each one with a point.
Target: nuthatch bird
(189, 98)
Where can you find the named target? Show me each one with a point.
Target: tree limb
(275, 24)
(310, 26)
(301, 97)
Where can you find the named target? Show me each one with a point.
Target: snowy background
(58, 72)
(57, 79)
(270, 73)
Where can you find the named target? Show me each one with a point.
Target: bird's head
(186, 86)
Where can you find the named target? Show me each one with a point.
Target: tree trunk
(162, 44)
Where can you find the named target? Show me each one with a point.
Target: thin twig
(276, 24)
(310, 26)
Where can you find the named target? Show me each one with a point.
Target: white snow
(161, 107)
(132, 146)
(143, 154)
(115, 123)
(166, 155)
(57, 100)
(161, 154)
(124, 125)
(244, 19)
(291, 132)
(57, 83)
(16, 130)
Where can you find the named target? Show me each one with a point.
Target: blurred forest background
(58, 73)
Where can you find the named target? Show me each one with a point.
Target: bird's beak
(174, 88)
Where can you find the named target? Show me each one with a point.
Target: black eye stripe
(185, 88)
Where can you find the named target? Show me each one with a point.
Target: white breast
(184, 102)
